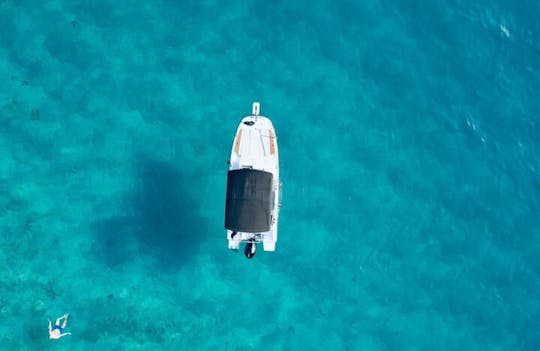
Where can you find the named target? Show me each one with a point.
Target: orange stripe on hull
(237, 142)
(272, 142)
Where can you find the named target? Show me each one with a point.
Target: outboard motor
(250, 249)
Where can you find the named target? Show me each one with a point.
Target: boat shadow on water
(162, 218)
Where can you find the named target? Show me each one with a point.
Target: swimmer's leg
(65, 320)
(59, 319)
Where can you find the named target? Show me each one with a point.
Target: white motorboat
(253, 185)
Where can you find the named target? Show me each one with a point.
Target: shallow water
(408, 138)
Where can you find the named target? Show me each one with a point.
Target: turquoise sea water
(409, 135)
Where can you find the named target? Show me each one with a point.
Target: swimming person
(57, 331)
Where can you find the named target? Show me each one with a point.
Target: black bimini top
(249, 201)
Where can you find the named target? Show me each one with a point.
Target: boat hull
(254, 150)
